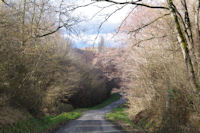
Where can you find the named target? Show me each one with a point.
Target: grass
(119, 114)
(120, 117)
(112, 98)
(40, 125)
(50, 122)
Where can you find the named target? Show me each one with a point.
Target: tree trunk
(23, 23)
(188, 34)
(198, 35)
(184, 46)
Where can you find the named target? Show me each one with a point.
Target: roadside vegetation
(44, 78)
(120, 117)
(50, 123)
(112, 98)
(45, 124)
(42, 74)
(161, 96)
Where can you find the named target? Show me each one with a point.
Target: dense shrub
(43, 74)
(160, 95)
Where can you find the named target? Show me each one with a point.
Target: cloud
(91, 11)
(88, 40)
(93, 27)
(90, 27)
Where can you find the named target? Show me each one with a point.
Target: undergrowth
(112, 98)
(35, 125)
(120, 117)
(47, 123)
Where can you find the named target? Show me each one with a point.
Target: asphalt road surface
(93, 121)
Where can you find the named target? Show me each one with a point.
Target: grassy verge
(41, 125)
(112, 98)
(119, 116)
(50, 122)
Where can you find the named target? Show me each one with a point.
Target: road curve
(93, 121)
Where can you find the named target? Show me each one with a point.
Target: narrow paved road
(93, 121)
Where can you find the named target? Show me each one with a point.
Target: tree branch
(148, 39)
(125, 19)
(107, 17)
(81, 6)
(135, 3)
(136, 30)
(49, 33)
(5, 3)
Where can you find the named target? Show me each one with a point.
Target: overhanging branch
(148, 39)
(49, 33)
(136, 30)
(135, 3)
(5, 2)
(107, 17)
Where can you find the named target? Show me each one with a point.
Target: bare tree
(182, 20)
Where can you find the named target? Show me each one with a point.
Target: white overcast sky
(89, 28)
